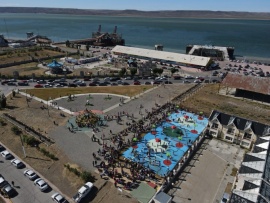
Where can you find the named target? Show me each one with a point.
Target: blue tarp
(55, 64)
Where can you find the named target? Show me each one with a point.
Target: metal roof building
(252, 185)
(163, 55)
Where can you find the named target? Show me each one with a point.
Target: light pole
(22, 146)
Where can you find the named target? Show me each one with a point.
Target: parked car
(186, 81)
(136, 83)
(56, 197)
(42, 185)
(147, 83)
(8, 190)
(189, 77)
(38, 86)
(92, 84)
(12, 84)
(83, 84)
(125, 83)
(83, 191)
(41, 82)
(6, 154)
(17, 163)
(23, 83)
(3, 182)
(30, 174)
(72, 85)
(225, 198)
(168, 82)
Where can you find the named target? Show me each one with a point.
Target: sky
(147, 5)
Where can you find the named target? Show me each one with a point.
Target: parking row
(16, 187)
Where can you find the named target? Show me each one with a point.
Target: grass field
(24, 69)
(57, 92)
(208, 99)
(25, 54)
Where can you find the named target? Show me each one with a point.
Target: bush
(30, 140)
(48, 154)
(87, 176)
(16, 130)
(2, 122)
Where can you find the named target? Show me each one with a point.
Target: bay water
(251, 38)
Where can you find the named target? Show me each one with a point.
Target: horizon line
(133, 9)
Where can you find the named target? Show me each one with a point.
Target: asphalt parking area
(205, 178)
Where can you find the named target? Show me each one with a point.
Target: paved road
(27, 191)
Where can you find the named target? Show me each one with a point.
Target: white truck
(83, 191)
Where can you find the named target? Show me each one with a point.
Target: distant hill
(165, 13)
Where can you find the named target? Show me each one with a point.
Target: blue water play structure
(163, 147)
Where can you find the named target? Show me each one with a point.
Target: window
(230, 131)
(247, 136)
(215, 126)
(245, 143)
(212, 133)
(228, 138)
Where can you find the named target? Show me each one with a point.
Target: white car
(189, 77)
(17, 163)
(59, 198)
(3, 182)
(41, 184)
(30, 174)
(6, 154)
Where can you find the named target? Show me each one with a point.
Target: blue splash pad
(165, 147)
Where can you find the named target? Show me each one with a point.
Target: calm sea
(249, 37)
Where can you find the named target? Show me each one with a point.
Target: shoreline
(144, 16)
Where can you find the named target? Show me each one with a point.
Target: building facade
(235, 129)
(252, 184)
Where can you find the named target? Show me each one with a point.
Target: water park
(166, 145)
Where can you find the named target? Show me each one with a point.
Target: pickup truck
(83, 191)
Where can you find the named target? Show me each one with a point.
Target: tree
(133, 71)
(3, 101)
(122, 72)
(174, 70)
(160, 71)
(155, 71)
(67, 43)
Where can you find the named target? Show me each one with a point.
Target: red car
(136, 83)
(38, 86)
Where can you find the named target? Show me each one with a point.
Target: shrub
(30, 140)
(87, 176)
(16, 130)
(48, 154)
(2, 122)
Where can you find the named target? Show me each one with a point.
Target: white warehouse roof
(163, 55)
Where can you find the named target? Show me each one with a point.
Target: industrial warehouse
(181, 59)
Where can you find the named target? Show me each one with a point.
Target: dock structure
(99, 39)
(215, 52)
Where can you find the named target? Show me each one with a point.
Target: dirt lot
(24, 69)
(58, 92)
(208, 99)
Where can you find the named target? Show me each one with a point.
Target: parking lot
(26, 191)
